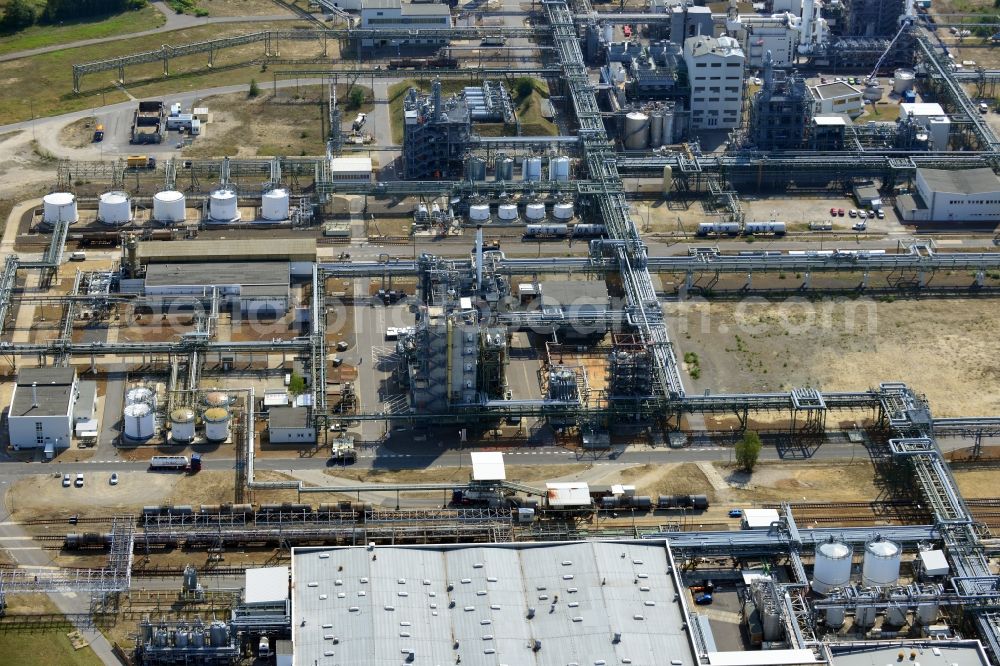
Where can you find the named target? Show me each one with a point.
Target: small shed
(934, 563)
(488, 466)
(759, 519)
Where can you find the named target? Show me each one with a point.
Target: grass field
(39, 36)
(45, 647)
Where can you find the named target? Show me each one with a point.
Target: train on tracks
(439, 62)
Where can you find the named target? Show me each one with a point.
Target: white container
(636, 135)
(222, 206)
(59, 207)
(559, 169)
(902, 80)
(668, 179)
(833, 566)
(534, 212)
(881, 565)
(114, 208)
(563, 211)
(168, 207)
(274, 205)
(926, 613)
(138, 421)
(609, 33)
(532, 169)
(140, 394)
(479, 213)
(507, 212)
(216, 424)
(215, 399)
(182, 425)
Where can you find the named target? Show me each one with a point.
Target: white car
(79, 481)
(66, 481)
(114, 479)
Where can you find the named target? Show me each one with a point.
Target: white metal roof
(573, 493)
(935, 563)
(830, 121)
(921, 109)
(488, 466)
(380, 604)
(762, 658)
(351, 164)
(758, 518)
(266, 585)
(950, 653)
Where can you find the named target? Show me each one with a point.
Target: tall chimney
(479, 258)
(34, 394)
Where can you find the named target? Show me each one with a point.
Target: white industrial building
(351, 169)
(945, 195)
(932, 118)
(838, 97)
(85, 412)
(260, 289)
(41, 409)
(399, 15)
(715, 72)
(290, 425)
(778, 34)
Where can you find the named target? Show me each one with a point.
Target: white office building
(932, 118)
(838, 97)
(951, 195)
(715, 72)
(399, 15)
(41, 409)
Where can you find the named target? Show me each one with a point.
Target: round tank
(609, 33)
(181, 639)
(140, 394)
(182, 425)
(59, 207)
(927, 613)
(161, 638)
(559, 168)
(895, 614)
(532, 170)
(636, 135)
(216, 424)
(505, 169)
(215, 399)
(563, 211)
(668, 179)
(274, 205)
(833, 566)
(507, 212)
(168, 207)
(475, 169)
(198, 638)
(881, 565)
(534, 212)
(138, 421)
(222, 206)
(864, 616)
(479, 213)
(656, 129)
(902, 80)
(835, 617)
(872, 92)
(114, 208)
(668, 127)
(218, 634)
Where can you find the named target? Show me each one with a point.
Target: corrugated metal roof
(288, 249)
(265, 273)
(443, 602)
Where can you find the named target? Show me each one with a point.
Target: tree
(297, 384)
(355, 98)
(19, 14)
(254, 88)
(748, 450)
(524, 86)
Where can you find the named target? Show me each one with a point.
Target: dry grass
(78, 134)
(242, 8)
(977, 483)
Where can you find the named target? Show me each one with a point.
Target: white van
(77, 256)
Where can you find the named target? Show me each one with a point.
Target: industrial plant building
(945, 195)
(257, 289)
(41, 409)
(436, 134)
(290, 425)
(838, 97)
(715, 72)
(400, 15)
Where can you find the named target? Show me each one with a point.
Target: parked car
(833, 212)
(79, 481)
(703, 599)
(860, 226)
(114, 479)
(66, 481)
(840, 212)
(736, 513)
(852, 212)
(880, 214)
(862, 215)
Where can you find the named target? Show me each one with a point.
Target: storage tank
(534, 212)
(114, 209)
(864, 615)
(927, 613)
(182, 425)
(636, 135)
(274, 205)
(507, 212)
(138, 421)
(140, 394)
(215, 399)
(475, 169)
(881, 565)
(532, 169)
(902, 80)
(895, 613)
(668, 179)
(835, 617)
(656, 129)
(609, 33)
(563, 211)
(218, 634)
(559, 169)
(216, 424)
(222, 206)
(168, 207)
(59, 207)
(872, 92)
(505, 169)
(668, 127)
(833, 566)
(479, 213)
(181, 639)
(198, 638)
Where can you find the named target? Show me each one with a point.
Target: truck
(342, 451)
(147, 123)
(264, 648)
(359, 121)
(140, 162)
(176, 463)
(99, 133)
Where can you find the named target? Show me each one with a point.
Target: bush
(524, 86)
(61, 10)
(297, 384)
(355, 98)
(254, 88)
(18, 15)
(748, 450)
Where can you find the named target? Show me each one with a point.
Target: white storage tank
(563, 211)
(532, 169)
(140, 394)
(833, 566)
(114, 208)
(636, 135)
(274, 205)
(138, 421)
(668, 179)
(182, 425)
(507, 212)
(927, 613)
(609, 33)
(559, 169)
(59, 207)
(902, 80)
(835, 617)
(216, 424)
(215, 399)
(479, 213)
(656, 129)
(534, 212)
(881, 565)
(222, 206)
(168, 207)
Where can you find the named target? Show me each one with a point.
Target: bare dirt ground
(942, 348)
(977, 483)
(78, 134)
(18, 156)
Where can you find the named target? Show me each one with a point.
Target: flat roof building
(290, 425)
(351, 169)
(838, 97)
(259, 288)
(952, 195)
(41, 409)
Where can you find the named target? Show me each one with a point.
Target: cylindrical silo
(534, 212)
(559, 169)
(222, 206)
(274, 205)
(181, 639)
(902, 80)
(927, 613)
(895, 612)
(636, 135)
(215, 399)
(835, 617)
(505, 169)
(168, 207)
(881, 565)
(668, 126)
(864, 615)
(833, 566)
(563, 211)
(532, 169)
(59, 207)
(138, 421)
(668, 179)
(507, 212)
(114, 209)
(475, 169)
(216, 424)
(656, 129)
(218, 633)
(182, 425)
(609, 33)
(479, 213)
